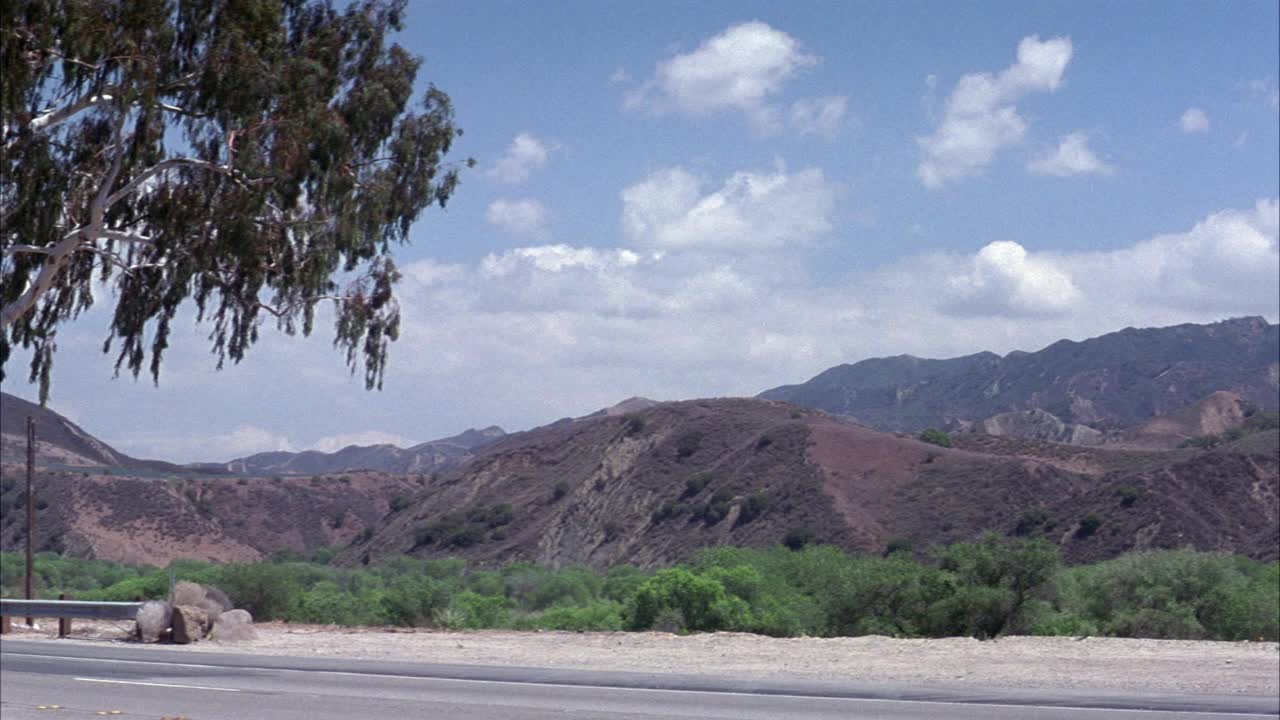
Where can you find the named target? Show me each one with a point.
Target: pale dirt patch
(1178, 666)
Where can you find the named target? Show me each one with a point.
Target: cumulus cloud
(519, 217)
(1194, 120)
(740, 69)
(334, 443)
(818, 116)
(1005, 280)
(981, 118)
(751, 211)
(1071, 157)
(525, 154)
(1230, 255)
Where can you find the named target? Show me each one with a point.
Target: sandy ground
(1018, 662)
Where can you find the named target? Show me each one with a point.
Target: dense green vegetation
(994, 586)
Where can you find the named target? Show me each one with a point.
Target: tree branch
(162, 166)
(118, 261)
(33, 249)
(58, 254)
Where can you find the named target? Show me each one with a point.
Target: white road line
(155, 684)
(1216, 713)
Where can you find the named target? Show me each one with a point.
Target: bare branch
(33, 249)
(281, 312)
(121, 237)
(100, 204)
(162, 166)
(58, 254)
(116, 260)
(59, 115)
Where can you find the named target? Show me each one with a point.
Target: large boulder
(215, 602)
(153, 620)
(233, 626)
(189, 624)
(188, 593)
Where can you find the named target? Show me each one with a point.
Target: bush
(1177, 594)
(935, 437)
(994, 583)
(1089, 525)
(752, 507)
(632, 424)
(399, 502)
(696, 483)
(1033, 521)
(560, 489)
(798, 538)
(701, 603)
(717, 507)
(472, 611)
(688, 444)
(597, 616)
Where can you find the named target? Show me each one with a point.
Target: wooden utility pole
(31, 507)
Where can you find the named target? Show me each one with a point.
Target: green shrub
(934, 436)
(752, 507)
(798, 538)
(399, 502)
(559, 490)
(597, 616)
(472, 611)
(688, 444)
(696, 483)
(701, 603)
(1089, 525)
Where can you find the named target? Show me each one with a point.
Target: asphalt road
(45, 680)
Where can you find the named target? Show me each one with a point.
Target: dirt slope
(653, 486)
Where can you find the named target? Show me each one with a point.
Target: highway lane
(86, 680)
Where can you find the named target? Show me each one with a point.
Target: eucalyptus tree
(249, 158)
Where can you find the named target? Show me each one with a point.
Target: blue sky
(698, 199)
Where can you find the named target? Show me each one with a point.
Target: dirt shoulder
(1178, 666)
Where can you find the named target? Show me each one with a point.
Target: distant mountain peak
(1109, 382)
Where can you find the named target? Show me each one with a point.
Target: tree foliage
(255, 157)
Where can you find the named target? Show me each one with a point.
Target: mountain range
(1139, 439)
(1106, 383)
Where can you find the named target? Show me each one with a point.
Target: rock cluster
(197, 612)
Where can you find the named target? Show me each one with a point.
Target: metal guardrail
(85, 609)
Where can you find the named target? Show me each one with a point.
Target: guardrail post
(64, 624)
(5, 628)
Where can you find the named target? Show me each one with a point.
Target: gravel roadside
(1180, 666)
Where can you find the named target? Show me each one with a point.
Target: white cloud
(738, 70)
(244, 440)
(525, 154)
(334, 443)
(1071, 157)
(519, 217)
(1266, 88)
(1194, 121)
(1005, 280)
(751, 211)
(980, 116)
(619, 76)
(536, 333)
(555, 258)
(819, 116)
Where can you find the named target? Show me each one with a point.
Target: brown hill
(651, 487)
(1214, 415)
(60, 441)
(155, 520)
